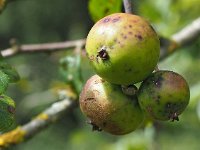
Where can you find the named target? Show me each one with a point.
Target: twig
(39, 123)
(128, 6)
(184, 37)
(188, 34)
(46, 47)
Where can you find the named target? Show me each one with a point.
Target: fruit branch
(128, 6)
(184, 37)
(188, 34)
(39, 123)
(45, 47)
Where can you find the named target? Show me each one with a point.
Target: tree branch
(40, 122)
(128, 6)
(184, 37)
(188, 34)
(46, 47)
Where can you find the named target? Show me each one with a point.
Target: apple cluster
(124, 50)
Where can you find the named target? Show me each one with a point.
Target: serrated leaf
(100, 8)
(10, 71)
(70, 70)
(7, 110)
(4, 80)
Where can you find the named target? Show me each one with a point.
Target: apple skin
(123, 48)
(164, 95)
(108, 108)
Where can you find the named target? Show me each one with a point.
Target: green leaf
(4, 80)
(7, 110)
(100, 8)
(70, 70)
(10, 71)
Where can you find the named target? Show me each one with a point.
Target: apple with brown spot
(164, 95)
(108, 108)
(123, 48)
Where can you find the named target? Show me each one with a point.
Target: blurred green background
(40, 21)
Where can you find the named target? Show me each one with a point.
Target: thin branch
(39, 123)
(46, 47)
(128, 6)
(188, 34)
(184, 37)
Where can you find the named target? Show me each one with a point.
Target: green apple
(164, 95)
(109, 108)
(123, 48)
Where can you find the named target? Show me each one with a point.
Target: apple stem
(156, 68)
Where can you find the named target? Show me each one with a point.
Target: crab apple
(108, 108)
(164, 95)
(123, 48)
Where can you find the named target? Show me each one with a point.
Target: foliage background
(42, 21)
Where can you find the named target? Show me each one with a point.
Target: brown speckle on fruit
(106, 20)
(116, 19)
(130, 33)
(161, 93)
(89, 98)
(139, 37)
(91, 58)
(158, 82)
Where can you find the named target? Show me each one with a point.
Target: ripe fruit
(108, 108)
(164, 95)
(7, 109)
(123, 48)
